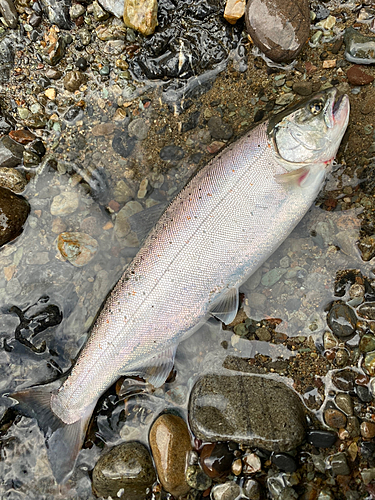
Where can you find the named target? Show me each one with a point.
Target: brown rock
(279, 28)
(23, 136)
(234, 10)
(73, 80)
(103, 129)
(170, 444)
(335, 418)
(12, 179)
(368, 430)
(141, 15)
(356, 76)
(13, 214)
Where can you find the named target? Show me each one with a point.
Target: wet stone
(344, 402)
(367, 310)
(251, 463)
(368, 430)
(284, 462)
(356, 76)
(77, 248)
(273, 276)
(344, 379)
(13, 214)
(278, 28)
(268, 414)
(9, 13)
(128, 466)
(6, 58)
(123, 144)
(65, 203)
(342, 320)
(335, 418)
(73, 80)
(339, 464)
(10, 152)
(363, 393)
(197, 479)
(216, 459)
(353, 426)
(12, 179)
(57, 12)
(321, 439)
(359, 49)
(366, 246)
(367, 343)
(22, 136)
(226, 491)
(170, 444)
(369, 363)
(219, 129)
(115, 7)
(99, 13)
(367, 449)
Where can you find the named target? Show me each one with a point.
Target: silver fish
(218, 230)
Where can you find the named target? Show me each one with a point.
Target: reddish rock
(356, 76)
(23, 136)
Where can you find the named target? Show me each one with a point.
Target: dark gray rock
(13, 214)
(9, 13)
(10, 152)
(57, 12)
(172, 153)
(6, 58)
(127, 466)
(339, 464)
(342, 320)
(279, 28)
(219, 129)
(247, 409)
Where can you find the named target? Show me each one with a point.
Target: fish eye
(316, 107)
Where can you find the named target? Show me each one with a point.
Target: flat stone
(10, 152)
(141, 15)
(356, 76)
(219, 129)
(321, 439)
(252, 410)
(342, 320)
(273, 276)
(359, 49)
(339, 464)
(22, 136)
(6, 58)
(138, 128)
(279, 28)
(65, 203)
(77, 248)
(13, 214)
(127, 466)
(170, 445)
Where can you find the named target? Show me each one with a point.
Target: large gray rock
(279, 28)
(10, 152)
(253, 410)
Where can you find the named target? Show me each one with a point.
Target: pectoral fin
(295, 177)
(156, 370)
(225, 309)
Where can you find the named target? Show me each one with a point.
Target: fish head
(310, 132)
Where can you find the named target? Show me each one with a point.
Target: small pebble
(334, 418)
(368, 429)
(321, 439)
(284, 462)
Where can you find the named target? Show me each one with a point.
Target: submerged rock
(77, 248)
(342, 320)
(127, 466)
(252, 410)
(359, 49)
(278, 28)
(141, 15)
(170, 445)
(13, 214)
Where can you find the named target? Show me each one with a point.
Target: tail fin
(63, 441)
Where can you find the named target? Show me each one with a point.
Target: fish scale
(218, 230)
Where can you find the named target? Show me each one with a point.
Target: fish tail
(63, 441)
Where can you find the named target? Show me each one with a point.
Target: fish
(218, 230)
